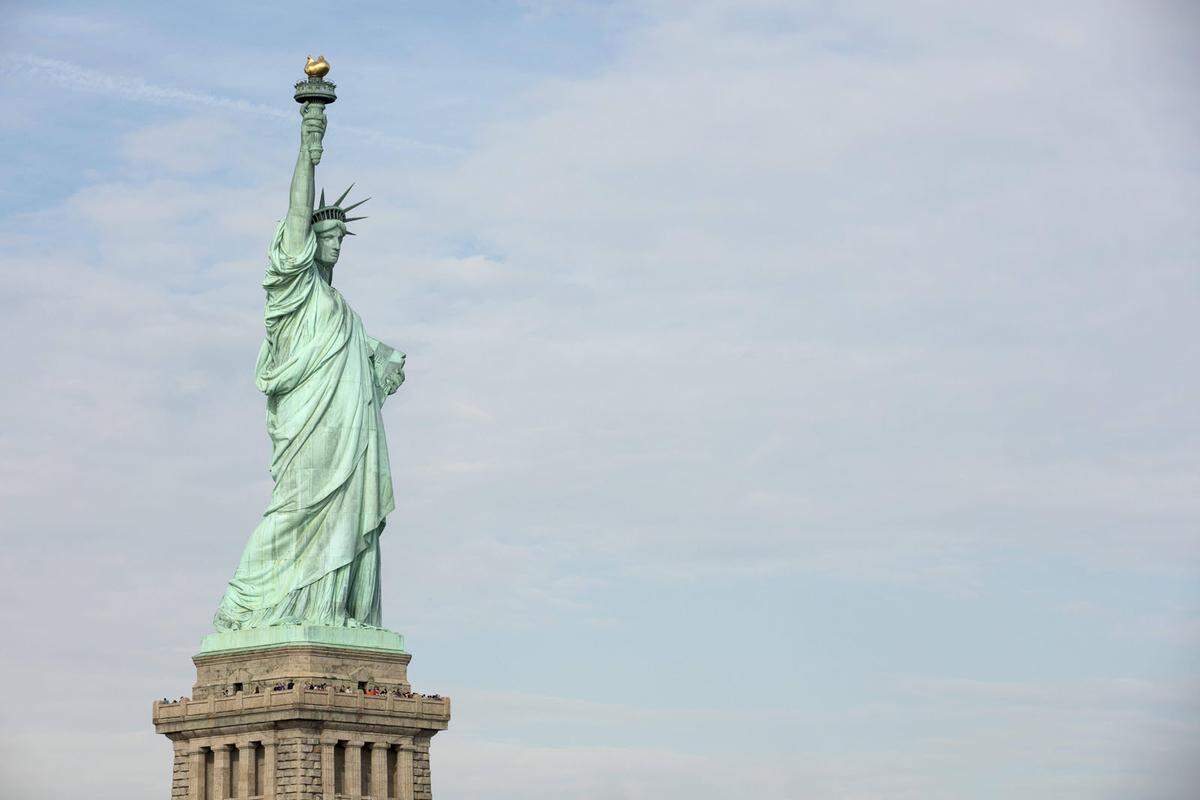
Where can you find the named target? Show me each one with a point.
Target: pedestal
(302, 713)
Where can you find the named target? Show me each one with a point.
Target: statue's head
(329, 233)
(329, 226)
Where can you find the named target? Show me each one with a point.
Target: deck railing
(330, 698)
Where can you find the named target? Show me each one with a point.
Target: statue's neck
(326, 273)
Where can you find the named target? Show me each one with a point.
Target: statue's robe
(314, 558)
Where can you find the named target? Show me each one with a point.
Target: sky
(800, 401)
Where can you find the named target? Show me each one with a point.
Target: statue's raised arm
(300, 201)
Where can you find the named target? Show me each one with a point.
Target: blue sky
(800, 396)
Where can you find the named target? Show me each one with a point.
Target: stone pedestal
(279, 716)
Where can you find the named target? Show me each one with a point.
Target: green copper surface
(276, 635)
(314, 557)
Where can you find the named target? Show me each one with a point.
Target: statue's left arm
(388, 365)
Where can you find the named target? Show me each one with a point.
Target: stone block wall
(298, 766)
(179, 773)
(422, 788)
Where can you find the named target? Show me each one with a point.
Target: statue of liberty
(314, 558)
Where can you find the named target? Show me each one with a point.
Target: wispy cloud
(84, 79)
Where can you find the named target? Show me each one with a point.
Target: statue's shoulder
(283, 262)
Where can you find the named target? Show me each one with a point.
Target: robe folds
(314, 557)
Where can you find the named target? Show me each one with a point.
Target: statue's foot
(354, 623)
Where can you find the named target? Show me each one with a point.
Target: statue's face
(329, 245)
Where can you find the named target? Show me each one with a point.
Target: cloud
(188, 146)
(755, 256)
(956, 739)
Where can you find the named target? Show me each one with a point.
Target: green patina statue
(314, 558)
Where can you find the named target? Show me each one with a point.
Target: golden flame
(318, 68)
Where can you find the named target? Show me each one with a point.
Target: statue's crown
(335, 210)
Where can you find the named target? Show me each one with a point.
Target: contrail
(74, 76)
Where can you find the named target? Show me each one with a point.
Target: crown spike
(355, 205)
(322, 203)
(352, 219)
(351, 233)
(338, 202)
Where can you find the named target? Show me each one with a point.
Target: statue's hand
(312, 130)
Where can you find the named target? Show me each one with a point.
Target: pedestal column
(268, 772)
(352, 779)
(246, 765)
(220, 789)
(404, 771)
(379, 778)
(327, 768)
(196, 786)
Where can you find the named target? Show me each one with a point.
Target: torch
(316, 91)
